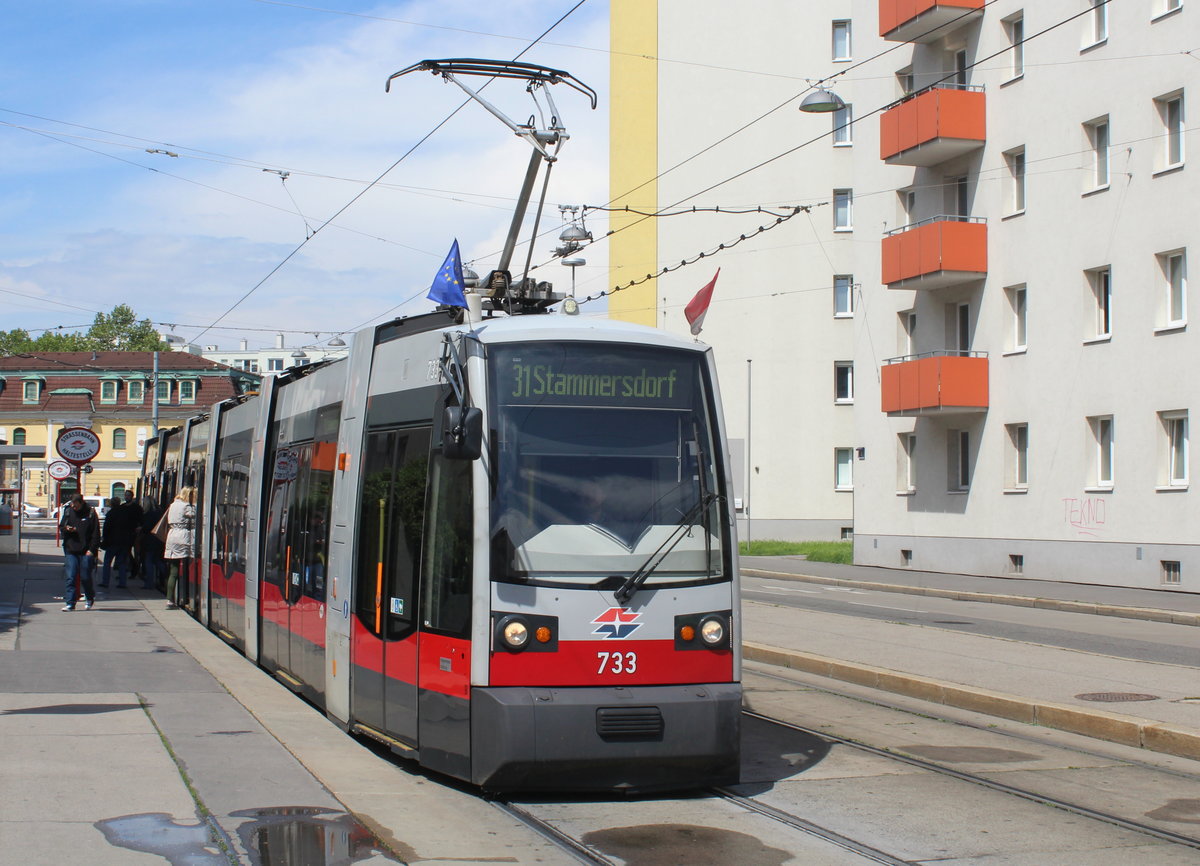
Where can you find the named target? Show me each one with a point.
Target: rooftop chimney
(242, 344)
(279, 341)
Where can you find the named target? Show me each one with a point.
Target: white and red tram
(505, 549)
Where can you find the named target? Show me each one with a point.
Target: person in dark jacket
(117, 540)
(79, 528)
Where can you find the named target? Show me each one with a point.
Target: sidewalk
(132, 734)
(1026, 682)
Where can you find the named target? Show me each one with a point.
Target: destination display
(583, 375)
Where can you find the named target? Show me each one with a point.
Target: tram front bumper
(587, 739)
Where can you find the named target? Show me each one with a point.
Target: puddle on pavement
(671, 844)
(1178, 811)
(969, 754)
(159, 833)
(292, 835)
(70, 709)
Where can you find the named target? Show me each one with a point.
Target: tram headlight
(524, 632)
(706, 630)
(712, 630)
(515, 633)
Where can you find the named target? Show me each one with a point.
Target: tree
(119, 331)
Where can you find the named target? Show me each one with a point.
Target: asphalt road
(1120, 638)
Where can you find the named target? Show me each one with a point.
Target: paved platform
(1026, 682)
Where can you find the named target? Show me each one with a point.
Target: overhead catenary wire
(363, 192)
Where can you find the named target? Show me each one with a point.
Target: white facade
(1076, 466)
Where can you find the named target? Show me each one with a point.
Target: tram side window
(390, 522)
(446, 596)
(320, 503)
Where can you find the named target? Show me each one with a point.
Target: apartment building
(978, 335)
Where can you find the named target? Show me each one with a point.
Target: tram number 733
(617, 662)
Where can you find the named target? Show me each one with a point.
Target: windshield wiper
(634, 582)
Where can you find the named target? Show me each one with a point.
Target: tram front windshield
(605, 463)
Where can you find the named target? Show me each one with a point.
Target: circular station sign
(77, 445)
(60, 470)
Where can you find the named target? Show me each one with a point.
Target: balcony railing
(933, 125)
(925, 20)
(941, 251)
(949, 382)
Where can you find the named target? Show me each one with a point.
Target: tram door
(391, 507)
(297, 538)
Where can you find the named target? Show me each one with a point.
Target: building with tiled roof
(113, 394)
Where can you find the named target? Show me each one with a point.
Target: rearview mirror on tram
(462, 433)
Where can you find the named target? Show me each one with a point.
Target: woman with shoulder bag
(181, 516)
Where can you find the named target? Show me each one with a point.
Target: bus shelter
(12, 476)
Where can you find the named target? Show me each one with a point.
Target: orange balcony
(925, 20)
(933, 126)
(935, 253)
(936, 383)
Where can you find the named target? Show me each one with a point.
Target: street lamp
(821, 101)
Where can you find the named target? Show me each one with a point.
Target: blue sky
(242, 90)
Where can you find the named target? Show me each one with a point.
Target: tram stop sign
(60, 470)
(77, 445)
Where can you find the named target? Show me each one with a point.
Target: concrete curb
(1127, 730)
(1143, 613)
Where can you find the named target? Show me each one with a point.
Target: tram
(504, 549)
(497, 537)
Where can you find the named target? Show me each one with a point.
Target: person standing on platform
(135, 520)
(181, 517)
(79, 528)
(117, 540)
(150, 546)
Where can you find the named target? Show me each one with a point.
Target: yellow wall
(109, 466)
(633, 156)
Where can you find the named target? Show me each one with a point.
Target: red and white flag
(698, 305)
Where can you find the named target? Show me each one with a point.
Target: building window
(1175, 438)
(1172, 572)
(1020, 317)
(1098, 23)
(905, 81)
(1098, 144)
(843, 210)
(164, 391)
(843, 128)
(1170, 113)
(843, 469)
(1103, 443)
(1017, 457)
(906, 465)
(1100, 286)
(108, 391)
(1164, 7)
(31, 391)
(843, 295)
(905, 558)
(1173, 267)
(962, 328)
(118, 439)
(135, 391)
(1014, 28)
(18, 436)
(841, 40)
(1016, 563)
(1014, 160)
(187, 391)
(908, 332)
(274, 364)
(959, 459)
(843, 382)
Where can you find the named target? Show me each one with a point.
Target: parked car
(28, 510)
(97, 502)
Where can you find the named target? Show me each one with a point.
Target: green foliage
(817, 551)
(119, 330)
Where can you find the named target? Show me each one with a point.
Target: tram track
(985, 782)
(874, 855)
(544, 829)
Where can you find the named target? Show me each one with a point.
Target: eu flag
(447, 286)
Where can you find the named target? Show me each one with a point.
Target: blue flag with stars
(447, 286)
